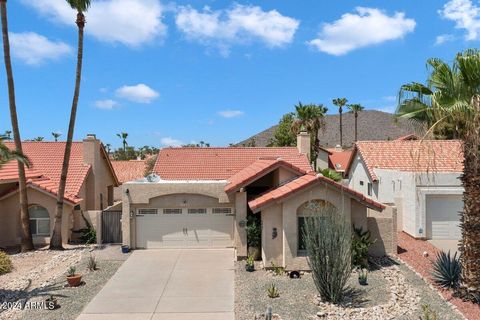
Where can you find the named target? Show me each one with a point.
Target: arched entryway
(39, 221)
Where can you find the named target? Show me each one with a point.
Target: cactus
(269, 313)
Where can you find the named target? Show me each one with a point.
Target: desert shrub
(327, 235)
(272, 291)
(427, 313)
(446, 270)
(277, 270)
(92, 263)
(361, 242)
(254, 231)
(5, 263)
(89, 235)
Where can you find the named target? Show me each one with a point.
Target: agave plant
(272, 291)
(446, 270)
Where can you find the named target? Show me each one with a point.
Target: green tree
(310, 117)
(331, 174)
(56, 135)
(451, 97)
(27, 243)
(340, 103)
(123, 136)
(355, 109)
(80, 6)
(8, 135)
(7, 155)
(284, 136)
(38, 139)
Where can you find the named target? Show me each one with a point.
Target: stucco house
(200, 198)
(89, 188)
(421, 178)
(127, 170)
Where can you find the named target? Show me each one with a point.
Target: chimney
(303, 143)
(93, 157)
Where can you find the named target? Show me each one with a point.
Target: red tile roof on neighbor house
(256, 170)
(302, 183)
(46, 160)
(410, 155)
(219, 163)
(128, 170)
(338, 160)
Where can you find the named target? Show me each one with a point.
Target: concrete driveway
(446, 245)
(168, 284)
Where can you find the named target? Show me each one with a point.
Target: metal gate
(111, 227)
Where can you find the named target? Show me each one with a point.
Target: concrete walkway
(168, 284)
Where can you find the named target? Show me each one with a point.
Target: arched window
(307, 209)
(39, 221)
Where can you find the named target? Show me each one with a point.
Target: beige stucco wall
(10, 228)
(272, 250)
(359, 214)
(383, 228)
(322, 159)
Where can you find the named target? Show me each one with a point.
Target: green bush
(327, 235)
(254, 231)
(446, 270)
(361, 242)
(5, 263)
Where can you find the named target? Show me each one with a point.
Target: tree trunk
(341, 127)
(356, 132)
(470, 219)
(27, 243)
(56, 240)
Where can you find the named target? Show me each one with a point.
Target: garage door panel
(192, 230)
(443, 216)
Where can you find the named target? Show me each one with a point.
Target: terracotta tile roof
(338, 160)
(257, 169)
(411, 155)
(9, 172)
(47, 158)
(128, 170)
(219, 163)
(302, 183)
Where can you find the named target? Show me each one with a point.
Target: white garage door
(443, 216)
(184, 228)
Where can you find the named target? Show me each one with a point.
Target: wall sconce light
(131, 214)
(420, 230)
(274, 233)
(127, 192)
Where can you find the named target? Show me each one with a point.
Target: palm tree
(81, 6)
(38, 139)
(7, 155)
(451, 98)
(340, 102)
(56, 135)
(355, 108)
(8, 135)
(123, 136)
(27, 243)
(310, 117)
(108, 146)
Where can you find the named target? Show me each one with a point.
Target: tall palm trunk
(56, 240)
(470, 219)
(27, 243)
(341, 126)
(356, 128)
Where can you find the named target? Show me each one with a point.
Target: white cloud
(465, 14)
(107, 104)
(171, 142)
(238, 24)
(388, 109)
(34, 49)
(365, 27)
(140, 93)
(231, 113)
(441, 39)
(130, 22)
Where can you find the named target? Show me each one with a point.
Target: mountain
(372, 125)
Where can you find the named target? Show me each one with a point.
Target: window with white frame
(39, 221)
(222, 210)
(145, 211)
(172, 211)
(197, 211)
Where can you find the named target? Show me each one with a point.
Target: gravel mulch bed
(394, 292)
(411, 252)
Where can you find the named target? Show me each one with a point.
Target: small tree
(284, 137)
(327, 235)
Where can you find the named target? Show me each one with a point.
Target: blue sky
(219, 71)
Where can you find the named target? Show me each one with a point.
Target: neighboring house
(89, 188)
(200, 198)
(127, 170)
(420, 177)
(334, 158)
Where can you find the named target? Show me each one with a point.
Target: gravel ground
(41, 273)
(298, 296)
(73, 300)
